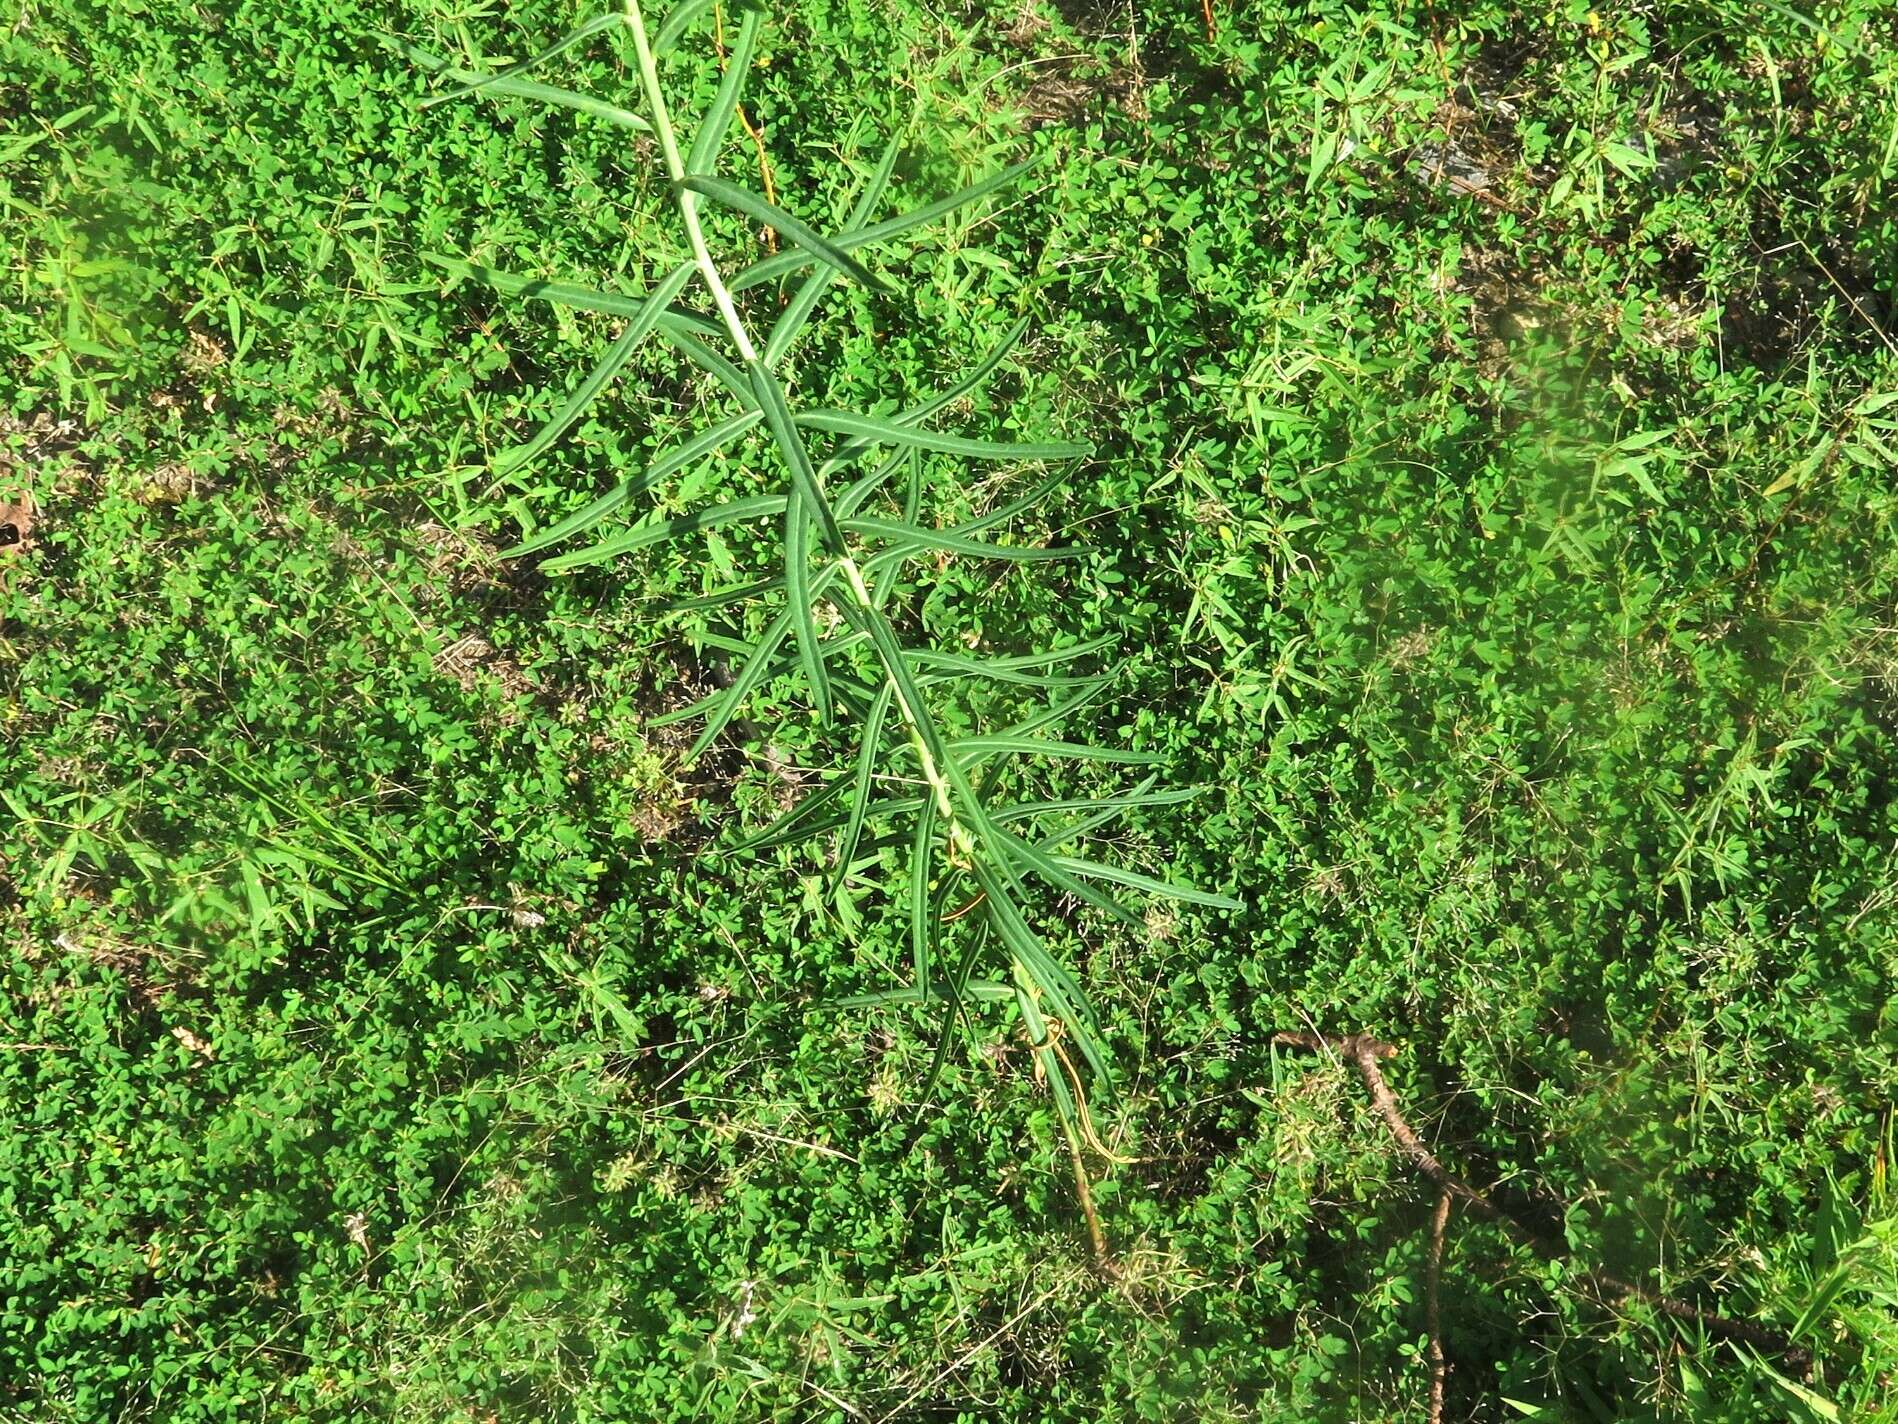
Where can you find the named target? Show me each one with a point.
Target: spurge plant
(971, 862)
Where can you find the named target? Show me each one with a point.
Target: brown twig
(1364, 1053)
(764, 170)
(1433, 1322)
(1103, 1259)
(1212, 30)
(1051, 1047)
(957, 914)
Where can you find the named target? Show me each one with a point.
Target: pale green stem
(959, 837)
(687, 199)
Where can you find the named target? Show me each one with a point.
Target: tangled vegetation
(569, 850)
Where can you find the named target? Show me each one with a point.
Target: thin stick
(1364, 1052)
(1096, 1235)
(1433, 1321)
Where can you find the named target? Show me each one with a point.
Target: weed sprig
(965, 851)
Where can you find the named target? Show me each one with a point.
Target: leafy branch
(964, 851)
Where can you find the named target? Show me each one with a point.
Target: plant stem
(675, 170)
(915, 717)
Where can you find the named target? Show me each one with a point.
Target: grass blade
(745, 201)
(673, 460)
(603, 371)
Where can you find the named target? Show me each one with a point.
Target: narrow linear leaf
(590, 28)
(1059, 711)
(711, 638)
(797, 823)
(711, 362)
(970, 382)
(1133, 880)
(660, 530)
(883, 810)
(917, 538)
(1061, 879)
(923, 926)
(704, 155)
(797, 311)
(797, 583)
(498, 88)
(985, 990)
(770, 268)
(724, 598)
(818, 585)
(858, 493)
(970, 750)
(607, 367)
(928, 657)
(1047, 979)
(749, 676)
(745, 201)
(913, 488)
(677, 21)
(1047, 680)
(889, 432)
(956, 985)
(569, 294)
(806, 499)
(860, 790)
(777, 414)
(855, 450)
(673, 460)
(1143, 794)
